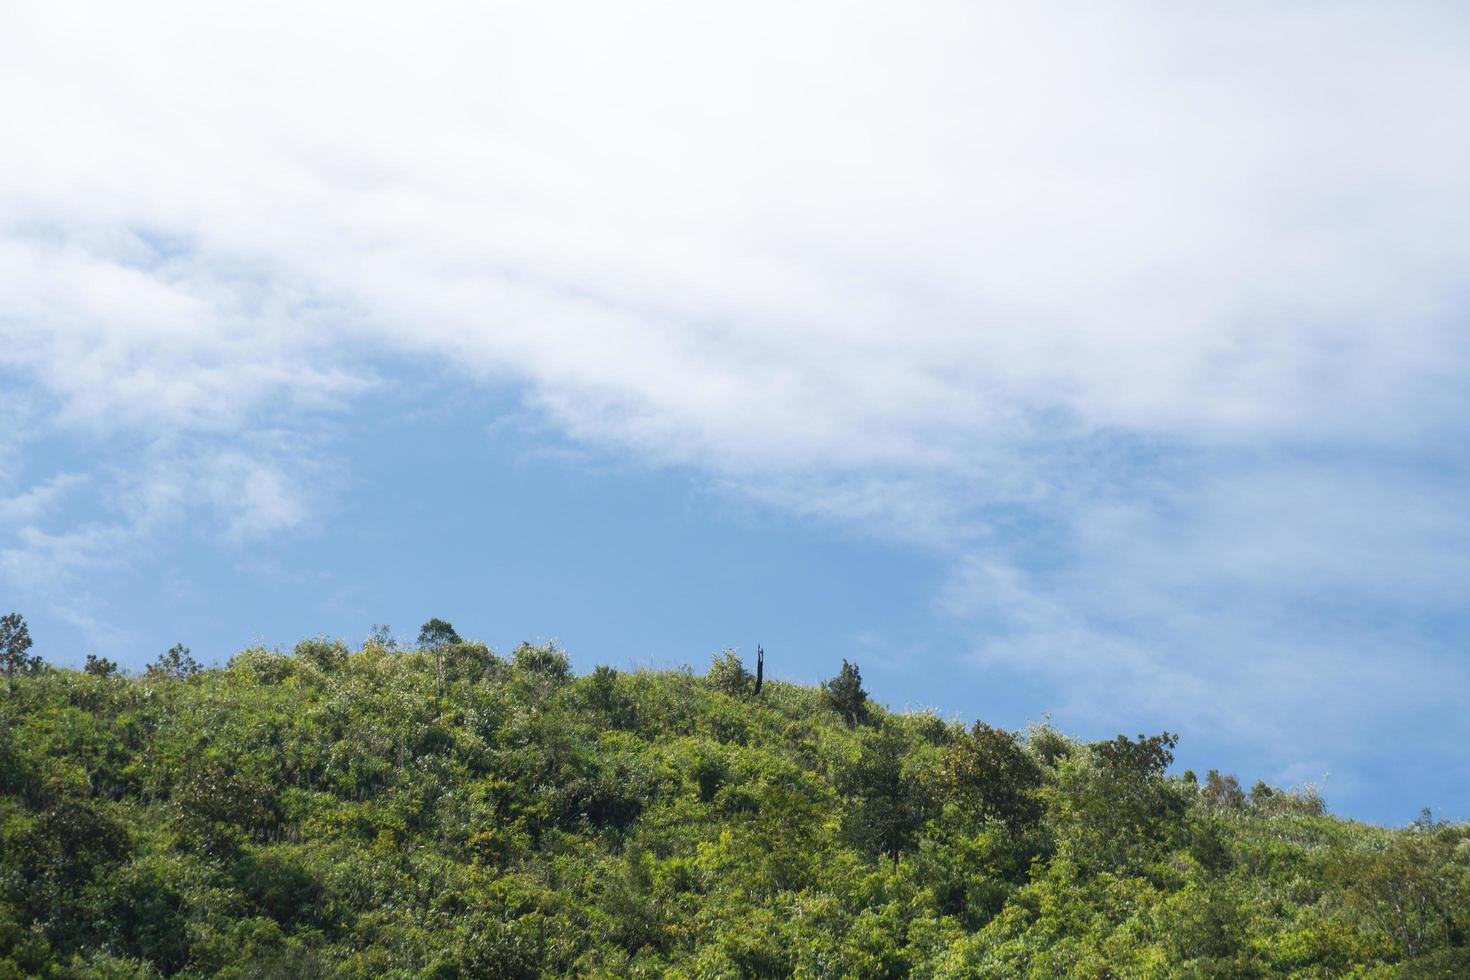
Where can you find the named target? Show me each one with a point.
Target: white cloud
(1150, 315)
(27, 506)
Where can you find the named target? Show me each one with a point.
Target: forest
(434, 809)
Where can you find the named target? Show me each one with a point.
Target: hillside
(446, 812)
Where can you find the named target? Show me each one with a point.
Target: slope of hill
(445, 812)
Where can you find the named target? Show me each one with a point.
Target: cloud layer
(1147, 321)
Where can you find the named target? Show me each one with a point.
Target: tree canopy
(15, 644)
(448, 812)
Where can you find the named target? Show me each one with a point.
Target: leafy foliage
(844, 694)
(175, 663)
(546, 662)
(99, 666)
(437, 633)
(445, 812)
(15, 645)
(727, 673)
(1114, 810)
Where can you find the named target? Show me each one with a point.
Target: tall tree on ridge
(15, 644)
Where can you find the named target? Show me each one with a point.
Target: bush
(280, 889)
(220, 810)
(546, 662)
(605, 698)
(141, 913)
(728, 675)
(263, 666)
(473, 661)
(323, 654)
(68, 845)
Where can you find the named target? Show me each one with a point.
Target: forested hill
(445, 812)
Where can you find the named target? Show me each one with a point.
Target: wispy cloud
(28, 506)
(1146, 320)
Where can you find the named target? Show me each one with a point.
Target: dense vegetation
(444, 812)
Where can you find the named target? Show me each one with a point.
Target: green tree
(437, 633)
(844, 694)
(324, 654)
(382, 636)
(176, 663)
(437, 636)
(1223, 792)
(538, 672)
(989, 773)
(890, 801)
(15, 645)
(70, 843)
(220, 810)
(99, 666)
(1413, 888)
(1113, 803)
(602, 695)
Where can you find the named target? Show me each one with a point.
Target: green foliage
(844, 694)
(175, 664)
(322, 654)
(989, 773)
(1223, 792)
(442, 812)
(439, 639)
(1113, 809)
(381, 636)
(1414, 887)
(69, 842)
(605, 698)
(15, 645)
(220, 810)
(99, 666)
(437, 633)
(728, 674)
(889, 800)
(546, 662)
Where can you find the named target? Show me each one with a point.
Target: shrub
(323, 654)
(604, 696)
(728, 674)
(264, 666)
(221, 810)
(545, 661)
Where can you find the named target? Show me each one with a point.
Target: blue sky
(1107, 362)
